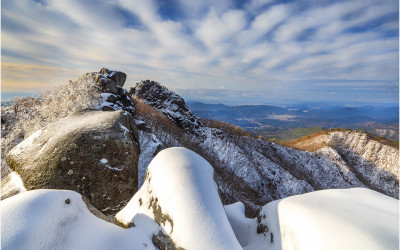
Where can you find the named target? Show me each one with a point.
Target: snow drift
(180, 194)
(356, 218)
(59, 219)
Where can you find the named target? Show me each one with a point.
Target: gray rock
(118, 77)
(92, 152)
(109, 86)
(163, 242)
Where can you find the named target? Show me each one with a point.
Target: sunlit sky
(259, 51)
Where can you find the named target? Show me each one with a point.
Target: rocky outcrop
(92, 152)
(170, 104)
(114, 97)
(110, 80)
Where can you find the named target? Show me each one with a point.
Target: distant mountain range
(273, 121)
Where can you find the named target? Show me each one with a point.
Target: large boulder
(92, 152)
(110, 81)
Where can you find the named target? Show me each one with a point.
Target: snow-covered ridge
(375, 164)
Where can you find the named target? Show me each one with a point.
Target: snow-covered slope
(180, 194)
(375, 164)
(59, 219)
(355, 218)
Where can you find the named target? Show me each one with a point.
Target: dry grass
(228, 128)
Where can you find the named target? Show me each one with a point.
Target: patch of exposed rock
(92, 152)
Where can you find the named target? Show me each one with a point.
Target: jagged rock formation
(92, 152)
(114, 96)
(170, 104)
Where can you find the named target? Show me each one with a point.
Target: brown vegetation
(306, 143)
(228, 128)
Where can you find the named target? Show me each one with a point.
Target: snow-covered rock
(60, 219)
(92, 152)
(356, 218)
(180, 194)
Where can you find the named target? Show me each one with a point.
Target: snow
(181, 183)
(244, 228)
(125, 129)
(26, 143)
(149, 144)
(113, 168)
(138, 122)
(356, 218)
(104, 161)
(42, 219)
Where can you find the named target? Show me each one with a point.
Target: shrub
(27, 115)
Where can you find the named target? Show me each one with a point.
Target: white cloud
(214, 29)
(213, 44)
(264, 23)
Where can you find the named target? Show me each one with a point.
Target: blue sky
(257, 51)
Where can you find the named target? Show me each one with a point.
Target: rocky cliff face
(170, 104)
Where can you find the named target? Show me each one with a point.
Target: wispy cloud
(253, 45)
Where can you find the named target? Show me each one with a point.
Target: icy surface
(356, 218)
(58, 219)
(180, 194)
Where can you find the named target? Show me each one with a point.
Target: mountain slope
(265, 170)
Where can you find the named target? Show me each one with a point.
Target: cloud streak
(255, 45)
